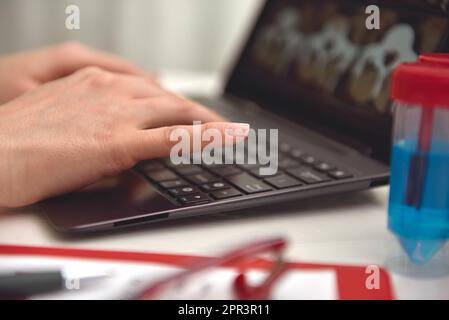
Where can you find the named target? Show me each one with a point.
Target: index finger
(155, 143)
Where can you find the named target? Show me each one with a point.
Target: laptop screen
(316, 61)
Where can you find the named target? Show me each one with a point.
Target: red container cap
(440, 59)
(422, 83)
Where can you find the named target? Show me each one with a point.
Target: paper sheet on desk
(127, 278)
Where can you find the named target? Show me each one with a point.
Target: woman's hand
(71, 132)
(22, 72)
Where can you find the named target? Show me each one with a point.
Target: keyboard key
(308, 159)
(284, 147)
(324, 167)
(214, 186)
(168, 162)
(288, 163)
(188, 169)
(340, 174)
(257, 173)
(225, 194)
(161, 175)
(202, 178)
(194, 199)
(150, 166)
(174, 184)
(176, 192)
(213, 166)
(296, 153)
(283, 181)
(247, 166)
(226, 171)
(308, 176)
(248, 184)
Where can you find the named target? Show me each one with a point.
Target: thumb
(157, 143)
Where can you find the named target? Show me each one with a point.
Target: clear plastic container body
(419, 194)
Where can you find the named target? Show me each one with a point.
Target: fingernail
(237, 130)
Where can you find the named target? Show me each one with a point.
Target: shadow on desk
(321, 204)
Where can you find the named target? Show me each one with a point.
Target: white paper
(128, 278)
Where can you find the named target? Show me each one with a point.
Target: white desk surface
(342, 229)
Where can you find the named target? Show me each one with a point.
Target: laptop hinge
(251, 107)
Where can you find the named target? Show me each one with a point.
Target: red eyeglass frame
(242, 290)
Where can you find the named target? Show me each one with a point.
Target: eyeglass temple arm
(244, 291)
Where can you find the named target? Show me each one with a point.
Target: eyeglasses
(231, 272)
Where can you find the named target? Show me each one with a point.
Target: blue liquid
(422, 230)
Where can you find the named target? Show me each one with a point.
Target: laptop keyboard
(198, 184)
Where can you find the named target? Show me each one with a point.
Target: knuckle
(173, 98)
(206, 126)
(209, 126)
(22, 86)
(184, 105)
(121, 159)
(69, 48)
(90, 71)
(96, 77)
(167, 133)
(117, 156)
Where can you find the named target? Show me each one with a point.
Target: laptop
(312, 70)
